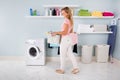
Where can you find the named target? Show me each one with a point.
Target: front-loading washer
(36, 52)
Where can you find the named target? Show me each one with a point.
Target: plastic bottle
(38, 13)
(35, 13)
(54, 12)
(50, 12)
(31, 12)
(57, 12)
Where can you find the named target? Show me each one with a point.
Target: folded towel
(83, 12)
(97, 13)
(108, 14)
(54, 45)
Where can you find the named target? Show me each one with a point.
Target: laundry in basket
(53, 39)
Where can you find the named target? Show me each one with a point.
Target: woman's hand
(53, 33)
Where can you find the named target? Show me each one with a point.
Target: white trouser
(66, 49)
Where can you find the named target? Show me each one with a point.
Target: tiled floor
(17, 70)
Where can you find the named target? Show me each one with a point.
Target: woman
(66, 47)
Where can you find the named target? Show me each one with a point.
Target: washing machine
(35, 52)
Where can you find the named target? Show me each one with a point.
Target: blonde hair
(69, 16)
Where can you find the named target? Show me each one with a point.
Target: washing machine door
(34, 52)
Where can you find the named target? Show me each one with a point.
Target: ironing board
(111, 40)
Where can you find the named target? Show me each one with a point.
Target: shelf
(60, 6)
(104, 17)
(44, 16)
(109, 32)
(73, 17)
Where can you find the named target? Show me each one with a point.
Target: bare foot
(75, 71)
(60, 71)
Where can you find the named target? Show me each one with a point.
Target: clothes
(108, 14)
(83, 12)
(74, 49)
(74, 36)
(54, 45)
(97, 13)
(66, 21)
(49, 45)
(66, 50)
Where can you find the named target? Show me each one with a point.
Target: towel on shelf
(83, 12)
(108, 14)
(97, 13)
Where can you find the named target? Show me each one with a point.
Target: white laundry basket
(102, 53)
(87, 51)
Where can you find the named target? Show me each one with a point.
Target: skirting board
(12, 58)
(22, 58)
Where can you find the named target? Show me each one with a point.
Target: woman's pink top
(74, 36)
(66, 21)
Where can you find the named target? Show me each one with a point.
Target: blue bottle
(31, 12)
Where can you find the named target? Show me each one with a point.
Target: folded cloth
(108, 14)
(54, 45)
(74, 49)
(97, 13)
(83, 12)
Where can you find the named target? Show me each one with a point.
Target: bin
(102, 53)
(87, 51)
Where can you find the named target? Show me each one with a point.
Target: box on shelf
(100, 28)
(82, 28)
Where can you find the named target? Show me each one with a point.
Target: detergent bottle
(31, 12)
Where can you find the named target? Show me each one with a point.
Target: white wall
(117, 47)
(15, 28)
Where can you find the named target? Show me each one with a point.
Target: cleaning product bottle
(57, 12)
(31, 12)
(54, 12)
(35, 13)
(50, 11)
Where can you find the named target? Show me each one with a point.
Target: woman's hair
(69, 12)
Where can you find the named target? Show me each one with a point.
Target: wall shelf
(107, 17)
(75, 17)
(109, 32)
(47, 14)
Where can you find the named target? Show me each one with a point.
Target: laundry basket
(87, 51)
(102, 53)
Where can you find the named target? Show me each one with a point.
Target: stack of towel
(84, 12)
(108, 14)
(97, 13)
